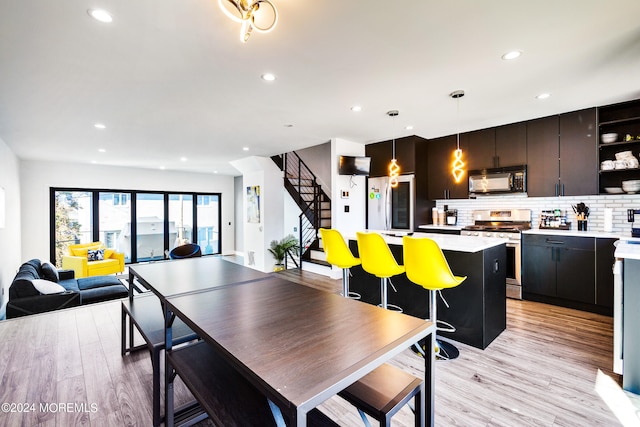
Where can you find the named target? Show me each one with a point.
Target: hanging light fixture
(457, 167)
(244, 12)
(394, 168)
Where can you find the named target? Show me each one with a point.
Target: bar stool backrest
(426, 265)
(336, 249)
(376, 256)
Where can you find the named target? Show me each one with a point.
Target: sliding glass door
(143, 225)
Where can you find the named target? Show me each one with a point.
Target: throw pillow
(97, 255)
(47, 287)
(49, 272)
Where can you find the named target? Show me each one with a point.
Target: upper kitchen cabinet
(561, 155)
(482, 148)
(511, 145)
(543, 165)
(440, 159)
(619, 132)
(578, 153)
(381, 154)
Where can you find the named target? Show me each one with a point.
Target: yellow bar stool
(378, 260)
(426, 266)
(339, 254)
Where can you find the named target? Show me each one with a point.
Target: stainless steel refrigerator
(390, 208)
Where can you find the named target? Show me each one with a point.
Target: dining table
(297, 345)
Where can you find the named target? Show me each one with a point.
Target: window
(72, 216)
(144, 226)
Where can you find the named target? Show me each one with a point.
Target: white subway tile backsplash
(597, 204)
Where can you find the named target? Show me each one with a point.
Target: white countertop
(628, 249)
(447, 242)
(440, 227)
(575, 233)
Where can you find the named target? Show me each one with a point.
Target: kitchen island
(477, 308)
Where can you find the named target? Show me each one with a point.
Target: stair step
(317, 255)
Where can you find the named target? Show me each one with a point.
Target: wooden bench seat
(227, 397)
(145, 313)
(385, 390)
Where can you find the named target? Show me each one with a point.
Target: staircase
(315, 205)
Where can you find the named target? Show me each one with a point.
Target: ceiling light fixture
(409, 127)
(99, 126)
(543, 96)
(394, 168)
(100, 15)
(245, 148)
(245, 11)
(183, 159)
(356, 108)
(457, 167)
(512, 55)
(268, 77)
(101, 150)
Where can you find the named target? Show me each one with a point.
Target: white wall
(239, 209)
(354, 220)
(263, 172)
(36, 178)
(10, 241)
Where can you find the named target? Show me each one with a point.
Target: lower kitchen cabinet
(566, 271)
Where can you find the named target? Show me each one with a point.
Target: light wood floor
(551, 367)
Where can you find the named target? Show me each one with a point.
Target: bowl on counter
(631, 187)
(609, 137)
(614, 190)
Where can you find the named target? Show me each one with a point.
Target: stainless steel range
(507, 224)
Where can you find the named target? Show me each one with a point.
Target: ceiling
(170, 79)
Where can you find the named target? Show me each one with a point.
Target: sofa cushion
(82, 251)
(49, 272)
(95, 255)
(97, 282)
(70, 285)
(47, 287)
(104, 293)
(21, 287)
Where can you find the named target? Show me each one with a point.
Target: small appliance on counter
(635, 228)
(451, 215)
(554, 219)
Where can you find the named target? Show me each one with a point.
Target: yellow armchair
(78, 260)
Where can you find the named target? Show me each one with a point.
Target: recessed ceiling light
(101, 150)
(93, 162)
(99, 126)
(268, 77)
(245, 148)
(356, 108)
(183, 159)
(409, 127)
(512, 55)
(161, 167)
(543, 96)
(101, 15)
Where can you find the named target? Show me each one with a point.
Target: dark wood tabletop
(176, 277)
(299, 345)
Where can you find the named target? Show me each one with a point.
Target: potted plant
(279, 250)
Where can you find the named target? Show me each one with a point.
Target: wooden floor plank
(546, 369)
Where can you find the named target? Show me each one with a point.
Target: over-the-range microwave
(506, 180)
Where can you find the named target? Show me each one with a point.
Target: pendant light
(394, 168)
(457, 167)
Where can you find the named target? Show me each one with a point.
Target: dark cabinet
(482, 148)
(570, 271)
(578, 153)
(543, 166)
(511, 145)
(381, 154)
(497, 147)
(562, 155)
(440, 152)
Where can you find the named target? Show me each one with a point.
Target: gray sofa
(25, 299)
